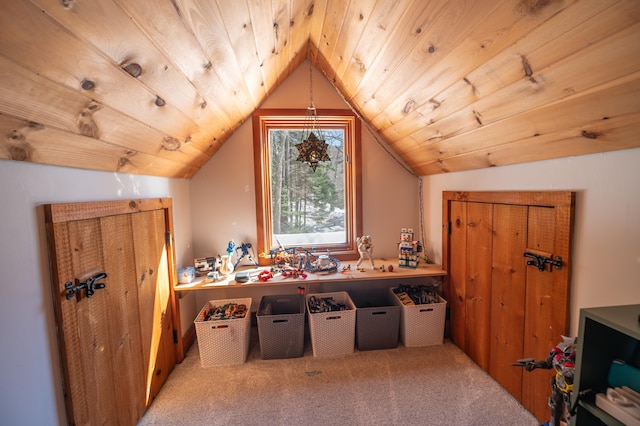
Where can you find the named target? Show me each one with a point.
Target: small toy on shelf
(227, 265)
(265, 275)
(299, 258)
(209, 267)
(242, 252)
(365, 248)
(409, 249)
(186, 275)
(294, 273)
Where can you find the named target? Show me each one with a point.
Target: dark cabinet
(605, 334)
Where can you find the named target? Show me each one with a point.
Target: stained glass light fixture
(313, 147)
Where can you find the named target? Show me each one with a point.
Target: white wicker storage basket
(223, 342)
(422, 325)
(333, 333)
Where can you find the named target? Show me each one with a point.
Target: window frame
(262, 120)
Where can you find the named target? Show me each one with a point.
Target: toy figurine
(562, 359)
(365, 247)
(409, 249)
(243, 251)
(230, 247)
(227, 266)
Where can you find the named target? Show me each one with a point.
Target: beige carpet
(434, 385)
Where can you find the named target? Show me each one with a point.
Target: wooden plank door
(508, 295)
(502, 310)
(547, 299)
(455, 290)
(149, 233)
(116, 346)
(478, 282)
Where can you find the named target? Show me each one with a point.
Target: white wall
(223, 191)
(606, 246)
(30, 381)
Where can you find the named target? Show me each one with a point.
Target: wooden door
(550, 232)
(116, 345)
(501, 309)
(508, 295)
(478, 282)
(456, 265)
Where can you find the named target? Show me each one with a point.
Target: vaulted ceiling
(156, 87)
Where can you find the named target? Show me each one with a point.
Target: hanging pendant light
(313, 148)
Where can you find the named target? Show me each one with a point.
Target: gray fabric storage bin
(281, 326)
(377, 319)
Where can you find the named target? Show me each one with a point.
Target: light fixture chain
(311, 85)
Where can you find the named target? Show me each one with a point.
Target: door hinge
(175, 336)
(168, 238)
(449, 228)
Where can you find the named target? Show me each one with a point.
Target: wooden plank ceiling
(157, 86)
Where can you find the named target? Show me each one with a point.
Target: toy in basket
(225, 312)
(223, 329)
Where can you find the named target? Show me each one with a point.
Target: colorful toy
(283, 259)
(409, 249)
(206, 265)
(227, 266)
(294, 273)
(265, 275)
(243, 251)
(230, 247)
(562, 359)
(365, 248)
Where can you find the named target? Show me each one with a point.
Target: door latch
(90, 285)
(540, 261)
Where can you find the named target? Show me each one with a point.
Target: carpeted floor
(433, 385)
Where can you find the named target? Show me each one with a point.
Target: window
(295, 206)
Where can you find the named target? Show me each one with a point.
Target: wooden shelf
(423, 270)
